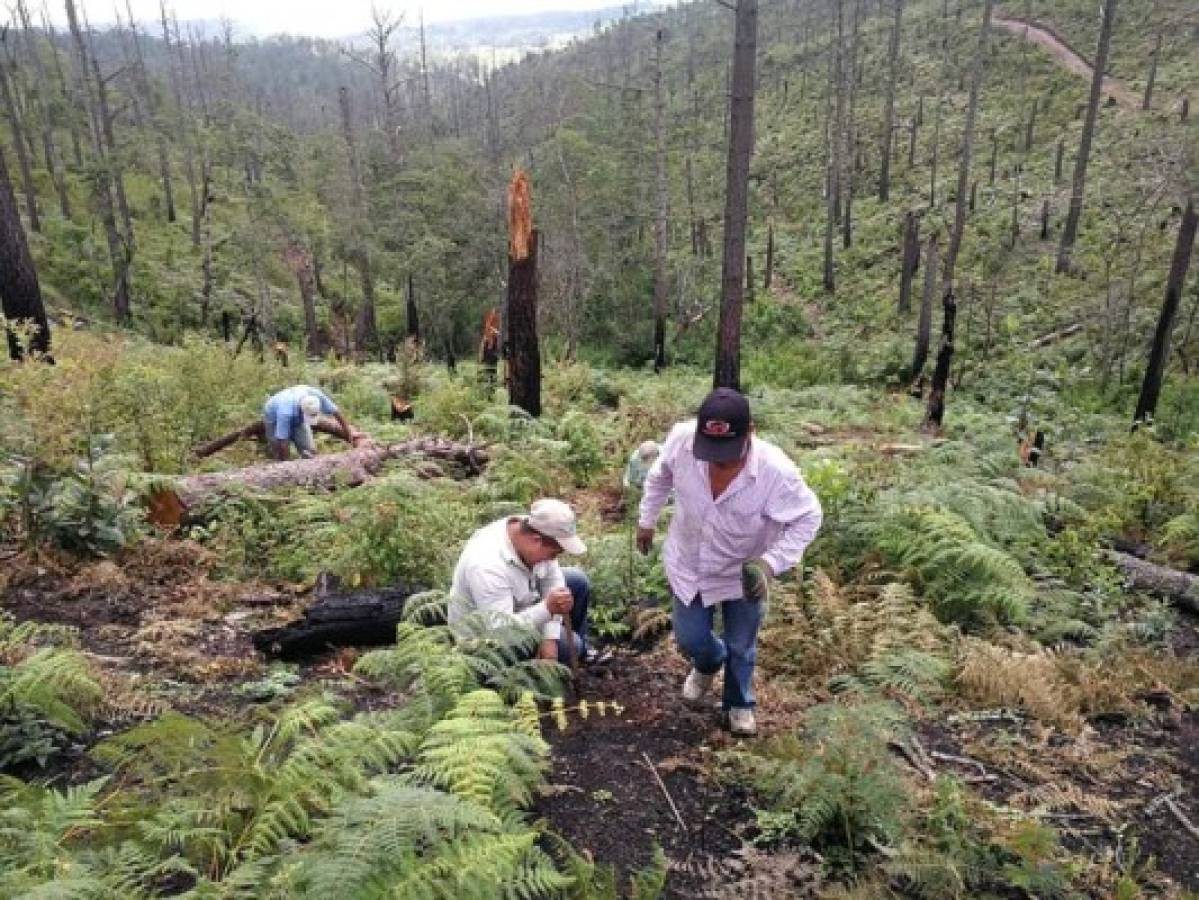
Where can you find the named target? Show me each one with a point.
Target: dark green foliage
(835, 785)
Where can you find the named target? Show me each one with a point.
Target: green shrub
(835, 786)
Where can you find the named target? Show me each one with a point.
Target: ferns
(52, 683)
(837, 785)
(479, 752)
(999, 677)
(967, 580)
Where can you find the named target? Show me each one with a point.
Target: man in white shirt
(508, 572)
(743, 516)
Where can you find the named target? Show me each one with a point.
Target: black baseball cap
(722, 426)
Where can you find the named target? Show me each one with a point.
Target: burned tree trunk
(20, 293)
(1155, 370)
(736, 208)
(935, 412)
(660, 196)
(19, 142)
(959, 216)
(357, 619)
(1157, 52)
(1070, 229)
(924, 323)
(768, 276)
(911, 260)
(524, 351)
(411, 314)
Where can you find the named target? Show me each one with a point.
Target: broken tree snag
(356, 619)
(1180, 588)
(257, 431)
(334, 470)
(524, 354)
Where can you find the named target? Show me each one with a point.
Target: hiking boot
(696, 686)
(741, 721)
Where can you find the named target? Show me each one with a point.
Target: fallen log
(354, 619)
(257, 431)
(170, 505)
(1180, 588)
(1055, 336)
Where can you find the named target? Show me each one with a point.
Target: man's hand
(560, 602)
(548, 649)
(645, 539)
(756, 577)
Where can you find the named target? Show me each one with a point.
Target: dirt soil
(153, 614)
(1068, 57)
(604, 798)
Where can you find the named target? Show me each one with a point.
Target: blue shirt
(282, 412)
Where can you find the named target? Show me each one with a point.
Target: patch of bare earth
(152, 614)
(604, 795)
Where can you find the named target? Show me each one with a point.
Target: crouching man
(508, 572)
(743, 516)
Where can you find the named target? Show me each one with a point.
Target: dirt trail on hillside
(1069, 58)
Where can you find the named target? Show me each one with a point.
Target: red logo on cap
(717, 428)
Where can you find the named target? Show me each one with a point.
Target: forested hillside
(964, 303)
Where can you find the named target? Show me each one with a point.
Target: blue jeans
(580, 590)
(301, 436)
(737, 651)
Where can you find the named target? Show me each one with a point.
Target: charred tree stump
(936, 394)
(356, 619)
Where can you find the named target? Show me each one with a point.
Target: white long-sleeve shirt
(491, 578)
(766, 512)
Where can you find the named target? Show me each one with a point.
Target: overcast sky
(318, 18)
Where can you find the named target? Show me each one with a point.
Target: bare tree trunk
(49, 150)
(1157, 52)
(19, 142)
(175, 68)
(660, 223)
(150, 101)
(741, 122)
(1159, 353)
(112, 156)
(833, 162)
(365, 330)
(925, 321)
(1070, 230)
(884, 181)
(119, 250)
(959, 216)
(426, 94)
(911, 259)
(20, 294)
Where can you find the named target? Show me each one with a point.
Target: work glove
(755, 580)
(645, 540)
